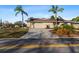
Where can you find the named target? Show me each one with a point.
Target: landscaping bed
(65, 31)
(12, 32)
(65, 35)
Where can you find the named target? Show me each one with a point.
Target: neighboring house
(47, 23)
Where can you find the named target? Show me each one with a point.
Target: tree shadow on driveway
(69, 41)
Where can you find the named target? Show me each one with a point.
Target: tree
(55, 9)
(59, 18)
(19, 23)
(0, 22)
(7, 24)
(19, 9)
(52, 18)
(76, 19)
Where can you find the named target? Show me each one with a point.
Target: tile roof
(45, 20)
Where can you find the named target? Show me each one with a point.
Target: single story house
(47, 23)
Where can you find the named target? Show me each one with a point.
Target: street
(32, 45)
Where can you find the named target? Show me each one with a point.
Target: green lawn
(12, 32)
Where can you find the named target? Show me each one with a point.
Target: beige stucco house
(47, 23)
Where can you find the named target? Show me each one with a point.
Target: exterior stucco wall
(44, 25)
(29, 25)
(76, 25)
(40, 25)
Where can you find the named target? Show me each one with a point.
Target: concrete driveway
(39, 33)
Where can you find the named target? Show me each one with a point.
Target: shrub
(64, 29)
(68, 27)
(55, 28)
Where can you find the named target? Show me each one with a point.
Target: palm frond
(60, 10)
(53, 6)
(53, 9)
(18, 8)
(25, 13)
(50, 10)
(56, 7)
(16, 13)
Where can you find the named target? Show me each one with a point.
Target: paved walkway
(39, 33)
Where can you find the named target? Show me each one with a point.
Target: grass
(12, 32)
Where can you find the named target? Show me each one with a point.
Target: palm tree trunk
(30, 25)
(56, 18)
(33, 25)
(22, 19)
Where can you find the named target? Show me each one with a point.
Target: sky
(7, 12)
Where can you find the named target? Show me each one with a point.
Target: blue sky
(39, 11)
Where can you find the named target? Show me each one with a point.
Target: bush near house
(64, 29)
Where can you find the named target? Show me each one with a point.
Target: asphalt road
(30, 45)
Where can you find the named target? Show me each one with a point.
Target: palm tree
(55, 9)
(52, 17)
(19, 9)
